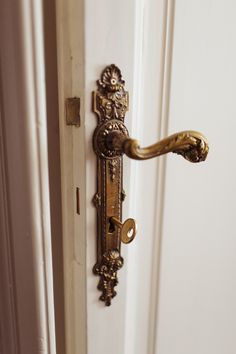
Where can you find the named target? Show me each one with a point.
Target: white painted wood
(148, 190)
(177, 286)
(128, 325)
(70, 38)
(26, 275)
(197, 309)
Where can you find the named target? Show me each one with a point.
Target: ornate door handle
(111, 140)
(191, 145)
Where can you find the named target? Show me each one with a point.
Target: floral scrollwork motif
(107, 269)
(111, 99)
(111, 79)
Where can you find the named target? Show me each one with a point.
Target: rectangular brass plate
(73, 111)
(110, 103)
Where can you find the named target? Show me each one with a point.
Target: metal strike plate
(110, 103)
(73, 111)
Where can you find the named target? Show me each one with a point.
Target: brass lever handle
(110, 141)
(128, 229)
(192, 145)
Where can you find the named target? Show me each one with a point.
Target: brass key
(128, 229)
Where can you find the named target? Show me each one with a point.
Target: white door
(177, 288)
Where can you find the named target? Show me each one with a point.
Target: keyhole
(111, 227)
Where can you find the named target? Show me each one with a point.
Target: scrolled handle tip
(196, 150)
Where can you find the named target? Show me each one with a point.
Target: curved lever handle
(193, 146)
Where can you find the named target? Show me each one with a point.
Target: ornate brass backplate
(111, 140)
(110, 103)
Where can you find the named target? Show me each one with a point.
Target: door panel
(176, 289)
(124, 39)
(197, 311)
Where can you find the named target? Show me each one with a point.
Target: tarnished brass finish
(191, 145)
(128, 229)
(73, 111)
(111, 140)
(110, 103)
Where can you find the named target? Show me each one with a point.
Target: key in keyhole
(128, 229)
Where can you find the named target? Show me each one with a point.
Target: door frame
(27, 304)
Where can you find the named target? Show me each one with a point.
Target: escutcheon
(110, 103)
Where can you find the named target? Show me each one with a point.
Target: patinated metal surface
(110, 103)
(111, 140)
(73, 111)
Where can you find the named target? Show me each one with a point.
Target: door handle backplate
(110, 141)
